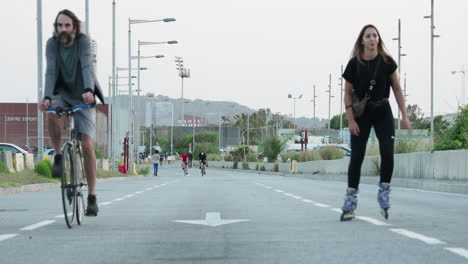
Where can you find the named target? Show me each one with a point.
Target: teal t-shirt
(70, 83)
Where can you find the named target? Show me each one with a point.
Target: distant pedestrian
(369, 74)
(156, 160)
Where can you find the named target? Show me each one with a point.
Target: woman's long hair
(74, 18)
(358, 49)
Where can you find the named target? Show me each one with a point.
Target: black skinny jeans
(381, 118)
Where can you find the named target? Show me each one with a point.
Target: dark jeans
(381, 118)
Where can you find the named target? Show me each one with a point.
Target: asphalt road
(235, 217)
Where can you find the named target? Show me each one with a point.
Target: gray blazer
(90, 81)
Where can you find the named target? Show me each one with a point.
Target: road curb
(55, 185)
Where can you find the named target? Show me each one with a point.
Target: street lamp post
(463, 72)
(294, 99)
(329, 101)
(341, 102)
(183, 73)
(130, 23)
(432, 70)
(399, 66)
(193, 127)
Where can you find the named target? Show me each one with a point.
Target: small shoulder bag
(359, 105)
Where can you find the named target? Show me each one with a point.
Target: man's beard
(66, 38)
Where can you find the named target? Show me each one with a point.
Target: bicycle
(203, 167)
(71, 170)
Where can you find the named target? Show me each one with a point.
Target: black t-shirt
(360, 74)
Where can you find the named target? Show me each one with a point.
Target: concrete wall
(439, 165)
(18, 162)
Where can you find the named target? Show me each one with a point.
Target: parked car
(49, 152)
(12, 147)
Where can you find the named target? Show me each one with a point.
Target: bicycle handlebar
(59, 110)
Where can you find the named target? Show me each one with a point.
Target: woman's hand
(405, 123)
(354, 128)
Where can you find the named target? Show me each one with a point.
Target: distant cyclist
(185, 158)
(70, 80)
(202, 157)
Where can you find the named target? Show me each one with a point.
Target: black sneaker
(92, 209)
(57, 167)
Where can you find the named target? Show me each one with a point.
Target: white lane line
(296, 197)
(288, 194)
(372, 220)
(129, 196)
(62, 215)
(280, 191)
(105, 203)
(148, 189)
(459, 251)
(139, 192)
(268, 187)
(118, 199)
(40, 224)
(308, 201)
(321, 205)
(337, 210)
(7, 236)
(423, 238)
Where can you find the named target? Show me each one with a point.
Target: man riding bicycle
(70, 80)
(202, 158)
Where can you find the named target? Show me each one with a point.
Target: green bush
(44, 168)
(228, 157)
(144, 170)
(331, 153)
(456, 137)
(4, 168)
(309, 155)
(238, 153)
(410, 145)
(213, 157)
(273, 146)
(262, 168)
(99, 154)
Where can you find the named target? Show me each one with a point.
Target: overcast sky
(253, 52)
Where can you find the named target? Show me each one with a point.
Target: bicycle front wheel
(68, 187)
(80, 182)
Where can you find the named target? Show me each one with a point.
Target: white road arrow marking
(212, 219)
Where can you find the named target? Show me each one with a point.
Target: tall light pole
(432, 70)
(151, 95)
(131, 112)
(329, 101)
(294, 99)
(399, 67)
(114, 91)
(314, 101)
(183, 73)
(139, 57)
(87, 17)
(463, 73)
(193, 127)
(40, 122)
(341, 102)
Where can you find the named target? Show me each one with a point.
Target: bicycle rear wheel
(80, 183)
(68, 187)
